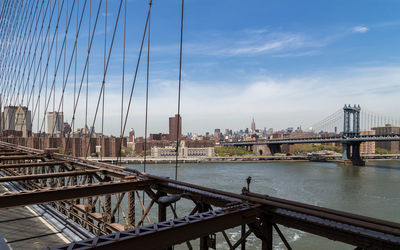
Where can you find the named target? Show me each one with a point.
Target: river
(372, 190)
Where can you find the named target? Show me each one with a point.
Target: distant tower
(55, 123)
(23, 121)
(351, 120)
(132, 135)
(253, 126)
(173, 128)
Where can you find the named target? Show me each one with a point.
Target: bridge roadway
(81, 190)
(341, 139)
(12, 221)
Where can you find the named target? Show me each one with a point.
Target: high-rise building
(368, 147)
(17, 119)
(253, 126)
(23, 121)
(173, 127)
(9, 117)
(55, 123)
(132, 135)
(388, 129)
(67, 128)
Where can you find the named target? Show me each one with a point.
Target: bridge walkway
(15, 224)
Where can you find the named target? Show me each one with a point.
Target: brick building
(76, 146)
(369, 146)
(392, 146)
(173, 128)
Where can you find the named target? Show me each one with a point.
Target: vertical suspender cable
(40, 77)
(179, 96)
(136, 72)
(107, 64)
(55, 70)
(75, 44)
(66, 147)
(147, 101)
(103, 84)
(147, 91)
(76, 56)
(105, 49)
(87, 72)
(47, 79)
(65, 58)
(122, 86)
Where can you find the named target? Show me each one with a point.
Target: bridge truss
(38, 60)
(93, 194)
(339, 121)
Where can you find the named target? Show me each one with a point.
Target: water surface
(373, 190)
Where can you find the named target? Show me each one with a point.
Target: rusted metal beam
(111, 172)
(337, 225)
(288, 247)
(131, 209)
(45, 176)
(347, 233)
(32, 164)
(9, 153)
(326, 210)
(23, 198)
(20, 157)
(164, 234)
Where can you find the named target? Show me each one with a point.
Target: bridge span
(351, 145)
(340, 139)
(350, 137)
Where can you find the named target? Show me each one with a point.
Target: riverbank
(239, 159)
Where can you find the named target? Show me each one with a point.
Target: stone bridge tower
(351, 128)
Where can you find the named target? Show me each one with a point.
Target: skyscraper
(9, 117)
(17, 119)
(132, 135)
(173, 126)
(23, 121)
(253, 126)
(55, 123)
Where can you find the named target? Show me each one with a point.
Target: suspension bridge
(48, 48)
(357, 127)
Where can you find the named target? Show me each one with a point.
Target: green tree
(232, 151)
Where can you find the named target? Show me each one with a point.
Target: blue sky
(285, 63)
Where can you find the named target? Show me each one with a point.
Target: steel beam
(24, 198)
(20, 157)
(32, 164)
(347, 233)
(45, 176)
(164, 234)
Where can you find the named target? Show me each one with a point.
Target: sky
(285, 63)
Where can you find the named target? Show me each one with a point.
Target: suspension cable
(122, 87)
(147, 91)
(136, 71)
(105, 72)
(178, 125)
(83, 73)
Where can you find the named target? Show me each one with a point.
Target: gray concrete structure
(261, 149)
(17, 119)
(55, 123)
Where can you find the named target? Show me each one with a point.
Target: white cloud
(249, 43)
(276, 102)
(271, 43)
(360, 29)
